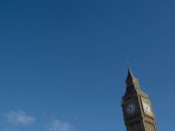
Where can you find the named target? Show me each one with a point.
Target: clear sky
(63, 62)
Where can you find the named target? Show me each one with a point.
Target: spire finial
(130, 72)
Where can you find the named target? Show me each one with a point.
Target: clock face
(147, 107)
(131, 108)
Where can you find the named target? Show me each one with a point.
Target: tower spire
(130, 74)
(131, 80)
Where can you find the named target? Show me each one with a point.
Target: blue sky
(63, 62)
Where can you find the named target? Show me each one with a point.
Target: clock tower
(137, 107)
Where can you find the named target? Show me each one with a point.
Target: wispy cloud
(58, 125)
(19, 117)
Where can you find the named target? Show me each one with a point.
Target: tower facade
(137, 107)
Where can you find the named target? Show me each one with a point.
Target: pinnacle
(130, 74)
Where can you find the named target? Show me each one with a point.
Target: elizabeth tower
(137, 107)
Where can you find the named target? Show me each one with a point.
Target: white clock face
(131, 108)
(147, 107)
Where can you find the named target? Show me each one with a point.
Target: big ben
(137, 107)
